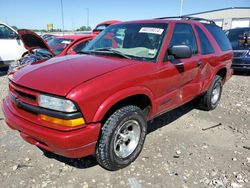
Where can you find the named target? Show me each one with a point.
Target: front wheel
(122, 138)
(211, 98)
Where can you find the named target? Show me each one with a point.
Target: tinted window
(6, 33)
(183, 35)
(239, 37)
(219, 36)
(206, 47)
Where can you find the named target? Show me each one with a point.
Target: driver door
(178, 76)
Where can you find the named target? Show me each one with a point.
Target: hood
(60, 75)
(32, 41)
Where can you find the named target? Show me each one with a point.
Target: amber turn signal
(63, 122)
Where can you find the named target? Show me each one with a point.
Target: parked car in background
(57, 45)
(40, 50)
(240, 41)
(103, 25)
(99, 103)
(48, 37)
(11, 46)
(69, 44)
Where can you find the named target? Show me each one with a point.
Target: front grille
(26, 95)
(23, 94)
(240, 53)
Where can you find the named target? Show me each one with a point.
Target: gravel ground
(184, 148)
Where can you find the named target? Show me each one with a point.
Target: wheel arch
(222, 72)
(139, 96)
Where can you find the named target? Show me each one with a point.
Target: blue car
(240, 41)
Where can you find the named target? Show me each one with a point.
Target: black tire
(206, 101)
(106, 152)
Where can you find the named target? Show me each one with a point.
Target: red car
(99, 102)
(69, 44)
(39, 50)
(101, 26)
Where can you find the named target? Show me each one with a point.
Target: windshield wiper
(110, 51)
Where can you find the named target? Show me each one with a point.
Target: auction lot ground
(179, 151)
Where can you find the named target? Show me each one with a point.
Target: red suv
(99, 102)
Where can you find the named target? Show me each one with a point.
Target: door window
(183, 35)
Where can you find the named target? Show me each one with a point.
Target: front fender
(122, 94)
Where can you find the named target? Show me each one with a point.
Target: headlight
(55, 103)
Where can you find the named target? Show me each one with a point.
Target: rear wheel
(122, 138)
(211, 98)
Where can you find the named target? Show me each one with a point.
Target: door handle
(199, 63)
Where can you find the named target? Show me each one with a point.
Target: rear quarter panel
(219, 60)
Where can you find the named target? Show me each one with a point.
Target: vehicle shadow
(159, 122)
(81, 163)
(169, 117)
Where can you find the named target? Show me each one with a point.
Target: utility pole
(62, 17)
(181, 8)
(87, 17)
(72, 24)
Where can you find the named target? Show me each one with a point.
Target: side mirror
(180, 51)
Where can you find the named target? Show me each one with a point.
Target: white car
(11, 46)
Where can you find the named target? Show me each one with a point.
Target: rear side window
(206, 46)
(219, 36)
(183, 35)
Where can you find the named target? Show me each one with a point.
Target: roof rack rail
(189, 18)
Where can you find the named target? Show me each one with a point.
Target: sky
(34, 14)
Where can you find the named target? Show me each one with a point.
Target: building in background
(227, 18)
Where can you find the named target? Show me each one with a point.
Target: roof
(240, 28)
(109, 22)
(169, 20)
(216, 10)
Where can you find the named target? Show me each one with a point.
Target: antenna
(181, 8)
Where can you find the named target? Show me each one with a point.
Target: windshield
(136, 41)
(59, 44)
(239, 38)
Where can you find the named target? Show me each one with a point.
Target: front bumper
(241, 64)
(74, 144)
